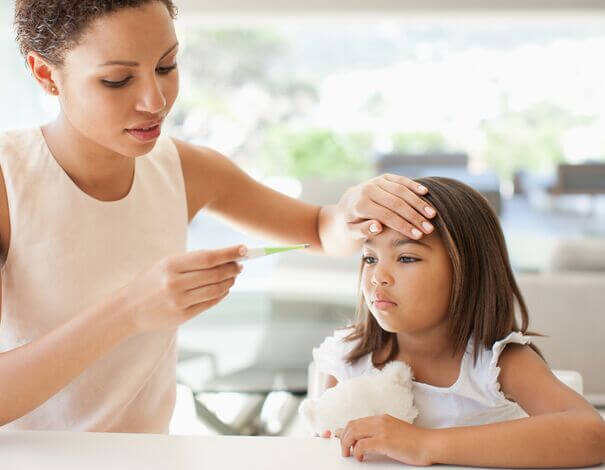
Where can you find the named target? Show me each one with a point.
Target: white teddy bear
(386, 392)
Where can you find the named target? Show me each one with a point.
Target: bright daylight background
(312, 103)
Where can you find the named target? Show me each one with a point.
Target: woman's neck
(99, 172)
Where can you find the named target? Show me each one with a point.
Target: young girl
(94, 208)
(445, 305)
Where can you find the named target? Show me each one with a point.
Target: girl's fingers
(407, 182)
(355, 430)
(419, 204)
(363, 446)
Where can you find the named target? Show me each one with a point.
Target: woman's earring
(54, 90)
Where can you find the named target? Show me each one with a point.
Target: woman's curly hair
(53, 27)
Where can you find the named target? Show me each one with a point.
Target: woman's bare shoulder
(206, 173)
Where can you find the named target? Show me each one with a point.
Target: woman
(95, 276)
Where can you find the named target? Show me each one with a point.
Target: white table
(92, 451)
(103, 451)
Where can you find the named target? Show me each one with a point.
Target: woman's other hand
(390, 200)
(180, 287)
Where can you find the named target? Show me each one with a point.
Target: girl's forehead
(391, 239)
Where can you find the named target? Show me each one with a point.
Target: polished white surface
(92, 451)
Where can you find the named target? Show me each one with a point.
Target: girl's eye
(368, 260)
(118, 84)
(407, 259)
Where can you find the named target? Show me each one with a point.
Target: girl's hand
(390, 200)
(179, 287)
(387, 436)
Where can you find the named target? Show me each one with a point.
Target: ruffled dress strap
(329, 357)
(493, 369)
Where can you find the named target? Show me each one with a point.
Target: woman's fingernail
(373, 228)
(243, 250)
(428, 227)
(240, 267)
(430, 211)
(422, 189)
(416, 233)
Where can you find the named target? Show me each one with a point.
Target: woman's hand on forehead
(388, 200)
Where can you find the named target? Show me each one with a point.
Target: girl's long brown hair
(484, 293)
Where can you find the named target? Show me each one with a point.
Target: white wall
(385, 5)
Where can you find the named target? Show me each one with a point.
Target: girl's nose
(382, 278)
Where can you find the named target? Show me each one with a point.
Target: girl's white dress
(475, 398)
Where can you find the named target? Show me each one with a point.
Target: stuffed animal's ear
(398, 371)
(307, 411)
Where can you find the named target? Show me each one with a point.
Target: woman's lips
(146, 134)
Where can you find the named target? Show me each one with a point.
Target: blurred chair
(567, 307)
(526, 182)
(413, 164)
(586, 178)
(579, 254)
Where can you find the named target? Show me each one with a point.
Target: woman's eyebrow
(131, 63)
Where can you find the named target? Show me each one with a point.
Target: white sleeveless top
(67, 252)
(475, 398)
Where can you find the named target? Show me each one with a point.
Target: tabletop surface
(73, 450)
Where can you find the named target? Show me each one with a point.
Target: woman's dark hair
(53, 27)
(484, 293)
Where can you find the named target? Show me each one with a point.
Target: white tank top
(474, 399)
(67, 252)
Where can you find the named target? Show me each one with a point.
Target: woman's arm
(563, 430)
(215, 183)
(173, 291)
(33, 373)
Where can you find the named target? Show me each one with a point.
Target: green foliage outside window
(419, 142)
(278, 136)
(530, 139)
(317, 152)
